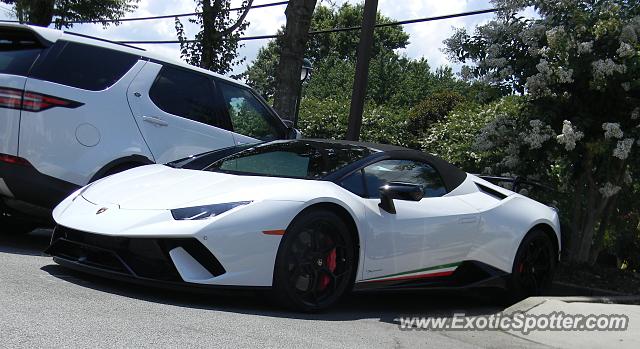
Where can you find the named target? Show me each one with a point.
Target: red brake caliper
(331, 265)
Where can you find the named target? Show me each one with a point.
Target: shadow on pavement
(31, 244)
(383, 306)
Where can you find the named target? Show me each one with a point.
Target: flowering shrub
(577, 68)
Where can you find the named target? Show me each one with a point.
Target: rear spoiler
(516, 182)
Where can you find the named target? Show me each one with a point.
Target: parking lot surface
(45, 305)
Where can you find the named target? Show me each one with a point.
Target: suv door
(435, 232)
(177, 112)
(251, 120)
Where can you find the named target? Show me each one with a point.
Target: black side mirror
(398, 191)
(292, 132)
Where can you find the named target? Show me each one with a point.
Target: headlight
(204, 212)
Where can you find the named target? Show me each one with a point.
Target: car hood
(162, 187)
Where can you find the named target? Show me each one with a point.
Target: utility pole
(362, 70)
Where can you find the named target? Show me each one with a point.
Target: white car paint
(465, 224)
(117, 126)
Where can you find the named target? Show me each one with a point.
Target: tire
(316, 262)
(533, 267)
(13, 226)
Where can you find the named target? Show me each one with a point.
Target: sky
(425, 38)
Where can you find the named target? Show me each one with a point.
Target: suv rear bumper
(24, 190)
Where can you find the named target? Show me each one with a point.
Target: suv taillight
(14, 160)
(31, 101)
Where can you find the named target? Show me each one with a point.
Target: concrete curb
(532, 302)
(568, 289)
(524, 305)
(599, 299)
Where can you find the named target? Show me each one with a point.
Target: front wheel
(533, 267)
(316, 262)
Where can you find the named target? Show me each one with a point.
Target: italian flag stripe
(435, 271)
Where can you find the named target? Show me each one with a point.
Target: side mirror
(292, 132)
(398, 191)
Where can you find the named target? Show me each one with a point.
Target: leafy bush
(433, 109)
(328, 118)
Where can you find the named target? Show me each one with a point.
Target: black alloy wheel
(315, 265)
(534, 266)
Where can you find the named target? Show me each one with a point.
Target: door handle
(154, 120)
(468, 220)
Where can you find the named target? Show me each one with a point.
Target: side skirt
(467, 274)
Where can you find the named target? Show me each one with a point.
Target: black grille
(140, 257)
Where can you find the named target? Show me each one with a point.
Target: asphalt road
(45, 305)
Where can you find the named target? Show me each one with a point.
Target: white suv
(74, 109)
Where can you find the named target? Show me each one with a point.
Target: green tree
(61, 12)
(327, 118)
(333, 47)
(216, 45)
(577, 66)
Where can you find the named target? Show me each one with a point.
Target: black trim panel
(138, 257)
(175, 286)
(132, 159)
(490, 191)
(35, 188)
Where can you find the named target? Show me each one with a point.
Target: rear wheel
(534, 266)
(316, 261)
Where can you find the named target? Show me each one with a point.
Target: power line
(334, 30)
(178, 15)
(279, 3)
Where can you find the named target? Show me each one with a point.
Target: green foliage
(225, 44)
(62, 12)
(454, 137)
(328, 119)
(326, 49)
(433, 109)
(578, 67)
(344, 45)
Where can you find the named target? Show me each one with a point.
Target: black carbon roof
(451, 175)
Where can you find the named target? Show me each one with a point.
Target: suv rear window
(187, 94)
(83, 66)
(18, 50)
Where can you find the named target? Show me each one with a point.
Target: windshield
(291, 159)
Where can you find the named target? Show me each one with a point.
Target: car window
(291, 159)
(187, 94)
(355, 183)
(248, 116)
(83, 66)
(405, 171)
(18, 51)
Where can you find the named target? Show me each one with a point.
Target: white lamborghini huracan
(310, 220)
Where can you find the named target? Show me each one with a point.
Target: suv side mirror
(398, 191)
(292, 132)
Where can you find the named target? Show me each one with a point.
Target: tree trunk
(598, 244)
(293, 46)
(209, 14)
(39, 12)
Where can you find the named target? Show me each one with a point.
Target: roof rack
(103, 40)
